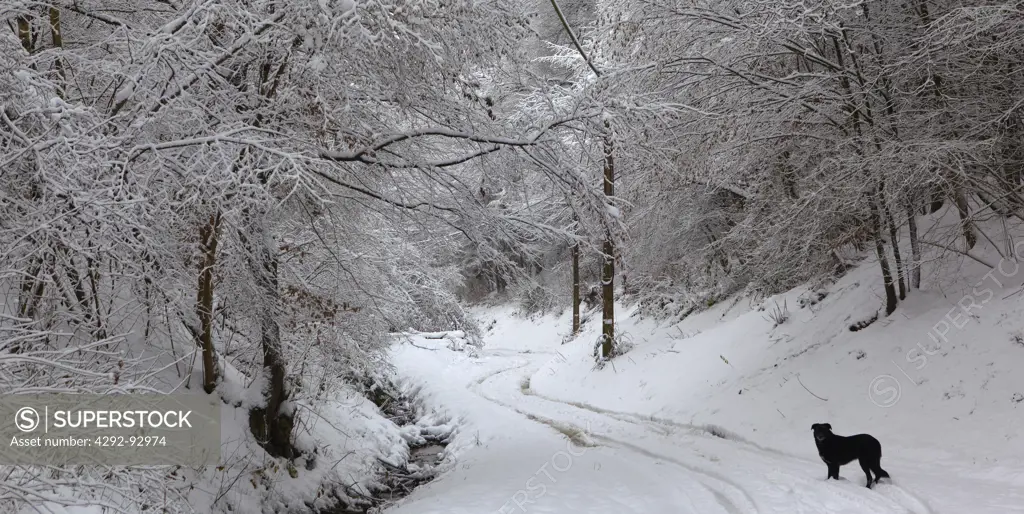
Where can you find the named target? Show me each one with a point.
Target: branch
(217, 138)
(109, 20)
(378, 196)
(365, 155)
(240, 44)
(808, 390)
(579, 48)
(954, 250)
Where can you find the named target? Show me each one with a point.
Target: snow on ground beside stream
(713, 414)
(501, 460)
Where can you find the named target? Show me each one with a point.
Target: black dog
(837, 450)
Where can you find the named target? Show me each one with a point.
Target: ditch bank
(426, 435)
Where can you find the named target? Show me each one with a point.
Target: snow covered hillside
(292, 207)
(713, 413)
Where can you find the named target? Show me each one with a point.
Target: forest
(195, 193)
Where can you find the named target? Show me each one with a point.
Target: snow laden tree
(809, 129)
(68, 239)
(613, 113)
(277, 183)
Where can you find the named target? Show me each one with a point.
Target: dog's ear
(826, 426)
(814, 426)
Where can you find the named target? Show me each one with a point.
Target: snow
(318, 64)
(500, 460)
(126, 92)
(713, 414)
(346, 429)
(239, 391)
(347, 432)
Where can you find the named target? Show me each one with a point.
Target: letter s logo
(26, 419)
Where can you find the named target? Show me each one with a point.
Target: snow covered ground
(713, 414)
(706, 415)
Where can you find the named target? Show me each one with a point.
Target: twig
(341, 459)
(1018, 291)
(954, 250)
(808, 390)
(422, 347)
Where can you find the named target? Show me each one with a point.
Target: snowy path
(521, 461)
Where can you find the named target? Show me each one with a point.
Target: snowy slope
(713, 414)
(924, 385)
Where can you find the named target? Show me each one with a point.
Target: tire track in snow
(720, 481)
(711, 483)
(918, 505)
(651, 421)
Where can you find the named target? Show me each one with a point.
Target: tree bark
(883, 259)
(208, 235)
(58, 42)
(914, 266)
(25, 35)
(608, 270)
(608, 299)
(1012, 174)
(622, 273)
(78, 301)
(271, 425)
(32, 287)
(964, 210)
(936, 200)
(575, 289)
(898, 261)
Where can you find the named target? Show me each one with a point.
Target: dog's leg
(867, 471)
(879, 472)
(833, 472)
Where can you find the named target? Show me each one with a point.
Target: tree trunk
(208, 235)
(936, 200)
(607, 293)
(25, 34)
(622, 273)
(272, 425)
(914, 266)
(608, 271)
(575, 289)
(57, 38)
(1012, 175)
(883, 260)
(32, 287)
(898, 261)
(88, 307)
(1012, 153)
(963, 209)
